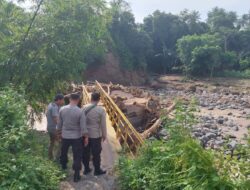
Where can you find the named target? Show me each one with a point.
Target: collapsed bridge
(126, 134)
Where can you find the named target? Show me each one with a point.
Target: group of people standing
(82, 129)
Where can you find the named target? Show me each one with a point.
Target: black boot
(77, 176)
(64, 167)
(87, 171)
(99, 172)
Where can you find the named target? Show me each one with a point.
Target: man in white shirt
(72, 123)
(97, 132)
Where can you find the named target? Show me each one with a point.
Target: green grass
(181, 163)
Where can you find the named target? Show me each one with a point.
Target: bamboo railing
(85, 95)
(125, 132)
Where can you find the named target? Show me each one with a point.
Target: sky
(142, 8)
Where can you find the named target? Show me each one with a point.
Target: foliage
(219, 18)
(13, 120)
(194, 51)
(205, 60)
(236, 74)
(45, 50)
(192, 19)
(22, 151)
(64, 36)
(129, 41)
(245, 63)
(28, 172)
(164, 29)
(178, 163)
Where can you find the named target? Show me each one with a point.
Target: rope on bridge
(125, 132)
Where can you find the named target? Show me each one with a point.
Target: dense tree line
(55, 41)
(63, 38)
(183, 43)
(167, 43)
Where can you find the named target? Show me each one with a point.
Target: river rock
(204, 140)
(236, 128)
(210, 108)
(219, 142)
(197, 134)
(163, 132)
(207, 125)
(211, 135)
(232, 145)
(220, 120)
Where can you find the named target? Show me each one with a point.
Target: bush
(236, 74)
(23, 163)
(245, 63)
(178, 163)
(28, 172)
(13, 119)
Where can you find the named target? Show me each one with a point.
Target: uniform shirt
(96, 121)
(72, 122)
(52, 112)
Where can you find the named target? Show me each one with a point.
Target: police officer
(97, 132)
(72, 123)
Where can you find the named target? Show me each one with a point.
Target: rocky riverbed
(223, 116)
(223, 107)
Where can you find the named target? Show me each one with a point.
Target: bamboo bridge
(126, 134)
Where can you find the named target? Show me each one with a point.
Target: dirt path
(111, 147)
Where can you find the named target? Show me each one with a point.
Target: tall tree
(186, 47)
(244, 21)
(192, 19)
(60, 41)
(219, 19)
(165, 30)
(130, 42)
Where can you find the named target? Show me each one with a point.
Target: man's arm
(83, 124)
(103, 125)
(60, 121)
(84, 128)
(55, 115)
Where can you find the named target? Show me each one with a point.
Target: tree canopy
(53, 43)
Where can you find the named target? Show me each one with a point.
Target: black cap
(59, 97)
(74, 96)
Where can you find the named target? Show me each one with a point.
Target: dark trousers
(94, 147)
(77, 153)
